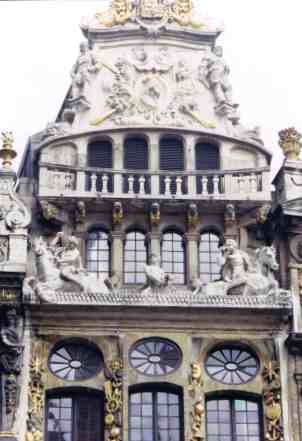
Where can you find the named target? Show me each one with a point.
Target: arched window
(209, 268)
(206, 158)
(173, 256)
(135, 258)
(156, 413)
(99, 155)
(98, 253)
(74, 415)
(233, 417)
(136, 158)
(171, 159)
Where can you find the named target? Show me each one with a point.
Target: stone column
(117, 254)
(190, 164)
(154, 162)
(154, 243)
(295, 276)
(192, 241)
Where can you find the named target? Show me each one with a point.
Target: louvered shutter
(88, 424)
(171, 154)
(100, 154)
(136, 154)
(171, 158)
(136, 158)
(207, 158)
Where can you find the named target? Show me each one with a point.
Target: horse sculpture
(52, 279)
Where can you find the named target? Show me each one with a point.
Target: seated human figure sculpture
(240, 277)
(155, 275)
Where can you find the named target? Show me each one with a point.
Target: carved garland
(272, 400)
(195, 388)
(114, 400)
(36, 394)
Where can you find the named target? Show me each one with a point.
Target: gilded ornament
(289, 141)
(195, 378)
(113, 398)
(263, 213)
(182, 12)
(119, 13)
(272, 398)
(155, 214)
(192, 216)
(197, 416)
(118, 213)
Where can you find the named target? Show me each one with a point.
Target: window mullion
(155, 417)
(74, 432)
(233, 420)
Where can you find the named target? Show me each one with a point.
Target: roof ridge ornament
(143, 11)
(290, 143)
(7, 151)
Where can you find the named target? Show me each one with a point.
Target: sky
(39, 43)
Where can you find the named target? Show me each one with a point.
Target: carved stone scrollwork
(10, 360)
(114, 399)
(272, 401)
(36, 394)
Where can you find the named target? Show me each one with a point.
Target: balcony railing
(230, 184)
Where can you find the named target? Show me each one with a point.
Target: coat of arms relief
(148, 86)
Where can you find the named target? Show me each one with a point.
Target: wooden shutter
(207, 156)
(171, 154)
(136, 154)
(100, 154)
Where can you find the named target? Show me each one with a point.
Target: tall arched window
(171, 159)
(99, 155)
(233, 417)
(156, 413)
(98, 253)
(206, 158)
(135, 258)
(209, 267)
(136, 158)
(173, 256)
(74, 415)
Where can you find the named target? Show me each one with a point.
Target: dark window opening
(206, 158)
(74, 416)
(136, 158)
(99, 155)
(171, 159)
(156, 414)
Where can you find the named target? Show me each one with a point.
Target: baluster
(216, 184)
(56, 181)
(130, 184)
(241, 183)
(105, 180)
(167, 186)
(142, 181)
(253, 183)
(178, 185)
(94, 179)
(204, 181)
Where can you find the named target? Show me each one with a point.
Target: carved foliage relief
(272, 401)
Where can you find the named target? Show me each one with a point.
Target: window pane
(135, 258)
(163, 420)
(173, 257)
(98, 255)
(209, 269)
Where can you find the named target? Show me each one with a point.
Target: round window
(232, 364)
(155, 356)
(75, 360)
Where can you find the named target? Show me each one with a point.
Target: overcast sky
(262, 44)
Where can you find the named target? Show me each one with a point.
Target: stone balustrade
(253, 184)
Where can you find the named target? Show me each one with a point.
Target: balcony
(63, 181)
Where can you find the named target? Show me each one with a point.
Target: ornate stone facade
(150, 284)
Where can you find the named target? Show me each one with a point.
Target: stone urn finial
(7, 151)
(290, 143)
